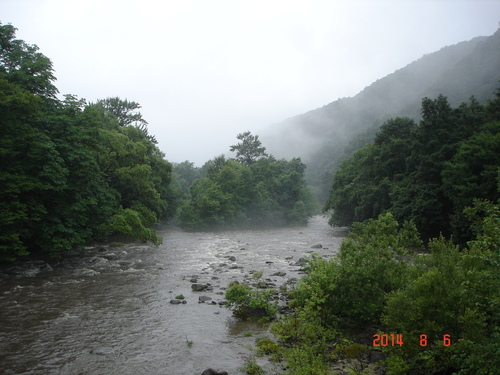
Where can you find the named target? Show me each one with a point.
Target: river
(108, 311)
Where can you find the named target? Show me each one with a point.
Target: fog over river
(109, 311)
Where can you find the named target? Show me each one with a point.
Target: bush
(250, 304)
(371, 263)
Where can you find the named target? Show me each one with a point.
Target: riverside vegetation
(422, 202)
(382, 281)
(404, 277)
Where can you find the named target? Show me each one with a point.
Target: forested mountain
(325, 136)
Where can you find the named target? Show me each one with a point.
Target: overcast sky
(205, 71)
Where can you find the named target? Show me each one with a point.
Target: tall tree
(22, 64)
(249, 150)
(126, 113)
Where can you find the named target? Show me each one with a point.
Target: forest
(72, 172)
(427, 173)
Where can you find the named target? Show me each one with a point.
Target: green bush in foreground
(378, 281)
(351, 288)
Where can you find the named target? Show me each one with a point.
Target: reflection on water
(109, 311)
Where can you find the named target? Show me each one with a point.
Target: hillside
(325, 136)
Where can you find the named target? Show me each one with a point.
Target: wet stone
(301, 262)
(279, 273)
(197, 287)
(210, 371)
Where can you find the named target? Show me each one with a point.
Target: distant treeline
(71, 172)
(250, 191)
(427, 172)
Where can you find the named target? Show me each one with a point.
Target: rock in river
(197, 287)
(209, 371)
(301, 262)
(279, 273)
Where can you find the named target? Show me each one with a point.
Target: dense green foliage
(256, 192)
(378, 280)
(427, 173)
(70, 172)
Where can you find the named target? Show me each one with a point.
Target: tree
(249, 150)
(471, 174)
(407, 170)
(70, 172)
(22, 64)
(127, 114)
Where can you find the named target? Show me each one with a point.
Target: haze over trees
(252, 190)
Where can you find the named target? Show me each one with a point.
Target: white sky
(206, 70)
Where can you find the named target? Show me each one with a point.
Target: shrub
(250, 304)
(352, 287)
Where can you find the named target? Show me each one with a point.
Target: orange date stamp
(397, 339)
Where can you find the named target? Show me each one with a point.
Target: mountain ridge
(321, 136)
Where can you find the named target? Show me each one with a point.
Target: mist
(204, 72)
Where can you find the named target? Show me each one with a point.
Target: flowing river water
(108, 311)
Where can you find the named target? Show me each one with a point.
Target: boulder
(203, 299)
(317, 246)
(197, 287)
(175, 301)
(210, 371)
(301, 262)
(232, 258)
(279, 273)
